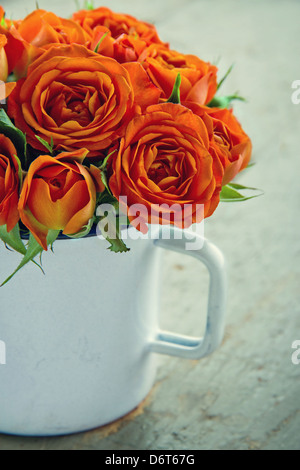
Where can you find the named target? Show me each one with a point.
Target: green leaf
(99, 43)
(85, 230)
(225, 76)
(105, 180)
(224, 101)
(105, 161)
(13, 238)
(48, 146)
(110, 223)
(103, 169)
(15, 135)
(231, 193)
(217, 60)
(89, 5)
(242, 188)
(114, 236)
(175, 96)
(251, 164)
(33, 250)
(107, 198)
(117, 246)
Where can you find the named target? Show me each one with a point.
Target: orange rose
(228, 141)
(60, 194)
(117, 23)
(79, 99)
(44, 29)
(198, 78)
(5, 88)
(164, 159)
(9, 184)
(3, 59)
(39, 31)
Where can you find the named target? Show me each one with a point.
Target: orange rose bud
(79, 98)
(128, 48)
(164, 159)
(59, 194)
(198, 78)
(16, 54)
(9, 184)
(5, 88)
(102, 42)
(229, 143)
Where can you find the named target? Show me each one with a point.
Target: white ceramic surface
(81, 340)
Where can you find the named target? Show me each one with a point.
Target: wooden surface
(247, 394)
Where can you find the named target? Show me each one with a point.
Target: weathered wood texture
(247, 394)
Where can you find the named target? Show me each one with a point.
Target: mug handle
(186, 346)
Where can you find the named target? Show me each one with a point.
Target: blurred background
(247, 394)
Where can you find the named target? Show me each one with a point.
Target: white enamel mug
(81, 342)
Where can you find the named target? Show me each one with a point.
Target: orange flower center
(222, 136)
(59, 180)
(168, 166)
(69, 105)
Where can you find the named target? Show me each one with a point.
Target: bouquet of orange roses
(98, 109)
